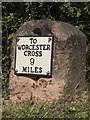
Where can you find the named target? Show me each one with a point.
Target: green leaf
(10, 36)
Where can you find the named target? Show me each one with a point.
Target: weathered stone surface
(68, 73)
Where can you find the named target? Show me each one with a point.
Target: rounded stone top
(61, 30)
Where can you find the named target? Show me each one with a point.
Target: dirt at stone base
(44, 89)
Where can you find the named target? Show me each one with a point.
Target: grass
(78, 108)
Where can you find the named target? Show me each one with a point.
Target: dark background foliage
(15, 14)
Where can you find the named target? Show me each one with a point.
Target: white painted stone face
(33, 55)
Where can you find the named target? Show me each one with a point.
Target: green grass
(78, 108)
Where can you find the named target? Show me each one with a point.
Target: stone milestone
(68, 63)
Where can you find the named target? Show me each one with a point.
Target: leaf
(10, 36)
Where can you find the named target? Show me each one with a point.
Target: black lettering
(31, 39)
(36, 69)
(32, 61)
(48, 47)
(33, 47)
(40, 70)
(19, 47)
(33, 53)
(37, 47)
(24, 69)
(36, 54)
(35, 41)
(29, 53)
(40, 53)
(26, 47)
(23, 47)
(44, 47)
(40, 47)
(28, 69)
(25, 53)
(31, 70)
